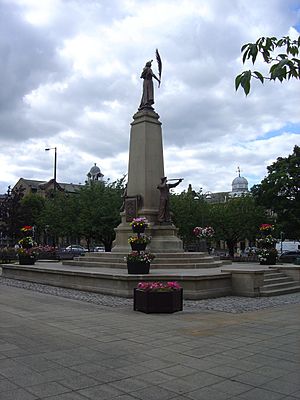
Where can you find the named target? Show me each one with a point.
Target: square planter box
(157, 302)
(138, 267)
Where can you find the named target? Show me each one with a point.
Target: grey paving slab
(47, 389)
(65, 349)
(102, 392)
(224, 371)
(207, 394)
(261, 394)
(18, 394)
(253, 378)
(156, 393)
(281, 386)
(6, 385)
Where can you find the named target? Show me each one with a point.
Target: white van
(287, 246)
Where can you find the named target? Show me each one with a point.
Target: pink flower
(158, 286)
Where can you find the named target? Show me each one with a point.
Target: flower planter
(271, 260)
(138, 246)
(158, 302)
(138, 229)
(138, 267)
(26, 260)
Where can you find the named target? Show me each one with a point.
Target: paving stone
(5, 385)
(178, 385)
(154, 393)
(17, 394)
(130, 384)
(233, 388)
(281, 386)
(67, 396)
(273, 372)
(201, 379)
(178, 370)
(207, 394)
(157, 377)
(80, 382)
(252, 378)
(47, 389)
(224, 371)
(102, 392)
(261, 394)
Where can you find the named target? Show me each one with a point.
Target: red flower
(26, 228)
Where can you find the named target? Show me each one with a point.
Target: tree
(32, 206)
(235, 220)
(60, 217)
(283, 65)
(11, 214)
(100, 205)
(189, 210)
(279, 191)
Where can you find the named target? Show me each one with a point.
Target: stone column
(145, 169)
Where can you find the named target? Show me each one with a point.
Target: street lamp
(55, 162)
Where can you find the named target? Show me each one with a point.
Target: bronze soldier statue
(164, 202)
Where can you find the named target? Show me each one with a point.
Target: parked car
(250, 250)
(289, 256)
(76, 248)
(99, 249)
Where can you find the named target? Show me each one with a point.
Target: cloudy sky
(70, 78)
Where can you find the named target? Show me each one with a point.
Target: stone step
(157, 260)
(274, 274)
(278, 280)
(111, 264)
(278, 292)
(175, 256)
(282, 285)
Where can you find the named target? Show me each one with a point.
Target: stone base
(164, 237)
(119, 282)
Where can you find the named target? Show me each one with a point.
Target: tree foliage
(32, 206)
(189, 210)
(235, 220)
(100, 211)
(280, 192)
(11, 213)
(284, 63)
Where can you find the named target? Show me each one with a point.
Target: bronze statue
(164, 202)
(148, 91)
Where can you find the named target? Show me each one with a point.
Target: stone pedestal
(145, 170)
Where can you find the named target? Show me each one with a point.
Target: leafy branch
(283, 66)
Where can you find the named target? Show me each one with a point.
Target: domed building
(95, 174)
(239, 186)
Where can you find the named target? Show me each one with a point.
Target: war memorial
(147, 196)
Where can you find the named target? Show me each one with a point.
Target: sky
(70, 79)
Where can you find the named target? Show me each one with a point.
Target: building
(43, 188)
(239, 188)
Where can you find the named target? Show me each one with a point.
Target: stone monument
(145, 172)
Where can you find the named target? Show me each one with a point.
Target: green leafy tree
(60, 217)
(11, 219)
(189, 210)
(100, 211)
(284, 64)
(32, 207)
(237, 219)
(279, 191)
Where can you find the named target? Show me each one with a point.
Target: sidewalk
(62, 349)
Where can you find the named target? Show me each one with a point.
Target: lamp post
(55, 163)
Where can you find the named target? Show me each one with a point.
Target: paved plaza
(64, 349)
